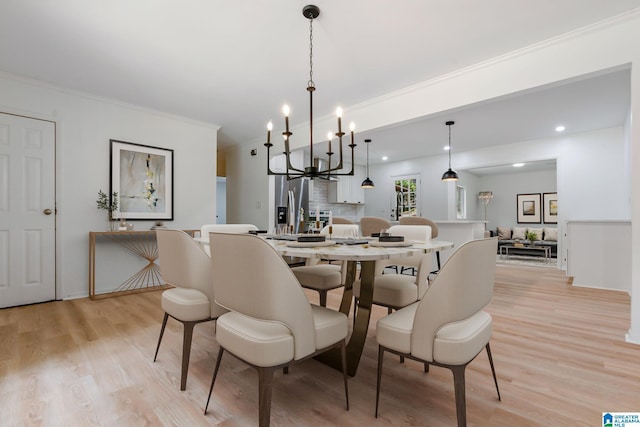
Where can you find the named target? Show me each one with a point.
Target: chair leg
(493, 371)
(265, 385)
(380, 359)
(459, 388)
(343, 355)
(323, 298)
(438, 263)
(186, 352)
(213, 379)
(164, 323)
(426, 367)
(355, 309)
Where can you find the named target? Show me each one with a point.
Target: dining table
(364, 252)
(359, 251)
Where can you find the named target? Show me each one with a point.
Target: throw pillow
(538, 232)
(504, 233)
(551, 234)
(519, 232)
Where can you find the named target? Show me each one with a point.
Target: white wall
(84, 126)
(248, 194)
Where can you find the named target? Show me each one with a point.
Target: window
(461, 202)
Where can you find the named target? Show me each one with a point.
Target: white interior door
(27, 210)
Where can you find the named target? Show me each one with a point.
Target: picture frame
(550, 208)
(529, 208)
(142, 176)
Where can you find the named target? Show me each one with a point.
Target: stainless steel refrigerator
(291, 202)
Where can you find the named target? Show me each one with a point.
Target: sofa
(547, 236)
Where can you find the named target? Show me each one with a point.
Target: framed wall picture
(143, 178)
(550, 208)
(529, 208)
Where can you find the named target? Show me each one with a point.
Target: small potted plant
(104, 204)
(531, 237)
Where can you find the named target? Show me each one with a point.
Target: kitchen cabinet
(347, 189)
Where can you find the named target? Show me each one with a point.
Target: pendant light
(450, 174)
(367, 183)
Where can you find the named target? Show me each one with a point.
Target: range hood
(323, 164)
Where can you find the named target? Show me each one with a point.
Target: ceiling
(234, 63)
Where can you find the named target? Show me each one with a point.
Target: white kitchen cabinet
(347, 189)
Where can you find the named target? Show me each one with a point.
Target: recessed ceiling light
(385, 158)
(446, 148)
(518, 165)
(560, 128)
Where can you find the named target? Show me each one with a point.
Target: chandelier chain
(311, 84)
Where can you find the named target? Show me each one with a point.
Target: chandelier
(313, 170)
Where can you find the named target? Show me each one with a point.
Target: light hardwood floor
(559, 352)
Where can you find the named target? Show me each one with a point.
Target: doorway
(27, 210)
(221, 200)
(405, 201)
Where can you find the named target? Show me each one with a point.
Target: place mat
(391, 244)
(310, 244)
(343, 241)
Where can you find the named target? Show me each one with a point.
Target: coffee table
(506, 249)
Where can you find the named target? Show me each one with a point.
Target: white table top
(353, 252)
(358, 252)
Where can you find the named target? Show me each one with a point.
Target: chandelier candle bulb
(352, 127)
(269, 128)
(285, 110)
(339, 114)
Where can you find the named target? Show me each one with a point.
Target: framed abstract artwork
(550, 208)
(529, 208)
(143, 178)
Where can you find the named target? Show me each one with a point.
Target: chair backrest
(261, 285)
(184, 264)
(415, 233)
(338, 220)
(417, 220)
(223, 228)
(419, 233)
(373, 224)
(463, 287)
(341, 230)
(423, 263)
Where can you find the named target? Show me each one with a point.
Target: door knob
(47, 211)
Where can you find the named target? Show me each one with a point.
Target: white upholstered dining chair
(325, 277)
(417, 220)
(271, 324)
(184, 265)
(448, 326)
(393, 290)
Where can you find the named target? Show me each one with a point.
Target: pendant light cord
(449, 146)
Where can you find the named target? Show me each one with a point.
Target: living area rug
(532, 261)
